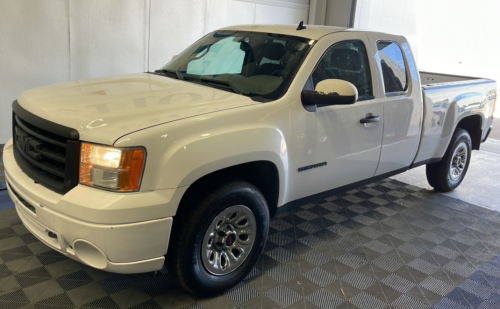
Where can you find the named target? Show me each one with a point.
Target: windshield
(258, 65)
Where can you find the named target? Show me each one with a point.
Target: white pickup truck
(186, 165)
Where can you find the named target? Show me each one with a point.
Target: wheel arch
(262, 174)
(473, 125)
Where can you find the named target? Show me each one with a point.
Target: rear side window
(393, 67)
(347, 61)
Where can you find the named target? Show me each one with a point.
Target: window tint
(347, 61)
(393, 66)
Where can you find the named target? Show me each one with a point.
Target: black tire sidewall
(459, 137)
(205, 282)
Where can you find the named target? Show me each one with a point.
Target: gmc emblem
(28, 145)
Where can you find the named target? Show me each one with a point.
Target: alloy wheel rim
(458, 161)
(228, 240)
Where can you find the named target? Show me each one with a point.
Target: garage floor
(389, 244)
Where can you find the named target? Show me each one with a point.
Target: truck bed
(447, 99)
(434, 79)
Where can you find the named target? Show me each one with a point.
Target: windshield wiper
(221, 82)
(176, 72)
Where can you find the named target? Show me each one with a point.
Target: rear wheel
(447, 174)
(217, 238)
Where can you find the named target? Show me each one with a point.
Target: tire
(201, 259)
(447, 174)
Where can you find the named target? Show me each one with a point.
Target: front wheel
(447, 174)
(218, 238)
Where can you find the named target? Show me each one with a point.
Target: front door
(330, 147)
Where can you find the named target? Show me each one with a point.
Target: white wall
(448, 36)
(49, 41)
(391, 16)
(459, 36)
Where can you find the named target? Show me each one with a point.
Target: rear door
(402, 104)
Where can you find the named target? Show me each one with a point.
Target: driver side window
(347, 61)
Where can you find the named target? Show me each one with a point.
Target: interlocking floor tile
(384, 245)
(367, 301)
(279, 254)
(317, 258)
(352, 260)
(378, 246)
(398, 283)
(280, 239)
(371, 232)
(459, 269)
(477, 288)
(241, 293)
(402, 234)
(345, 244)
(410, 249)
(320, 276)
(283, 296)
(324, 299)
(406, 302)
(358, 280)
(465, 298)
(365, 220)
(437, 286)
(447, 303)
(387, 263)
(281, 273)
(423, 266)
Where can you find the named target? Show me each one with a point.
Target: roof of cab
(312, 32)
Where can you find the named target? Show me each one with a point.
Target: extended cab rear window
(393, 67)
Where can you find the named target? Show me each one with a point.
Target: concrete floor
(495, 134)
(481, 185)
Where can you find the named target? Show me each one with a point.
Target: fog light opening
(89, 254)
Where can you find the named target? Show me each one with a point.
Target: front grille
(44, 151)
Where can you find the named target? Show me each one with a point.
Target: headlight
(111, 168)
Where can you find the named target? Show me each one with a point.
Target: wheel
(448, 173)
(217, 238)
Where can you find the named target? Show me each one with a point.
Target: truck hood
(104, 109)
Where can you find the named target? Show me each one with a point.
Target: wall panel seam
(70, 77)
(149, 38)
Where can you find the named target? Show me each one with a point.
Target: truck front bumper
(130, 247)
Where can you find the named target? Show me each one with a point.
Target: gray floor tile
(385, 245)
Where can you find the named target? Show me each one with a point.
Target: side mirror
(330, 92)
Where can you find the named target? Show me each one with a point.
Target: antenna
(301, 26)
